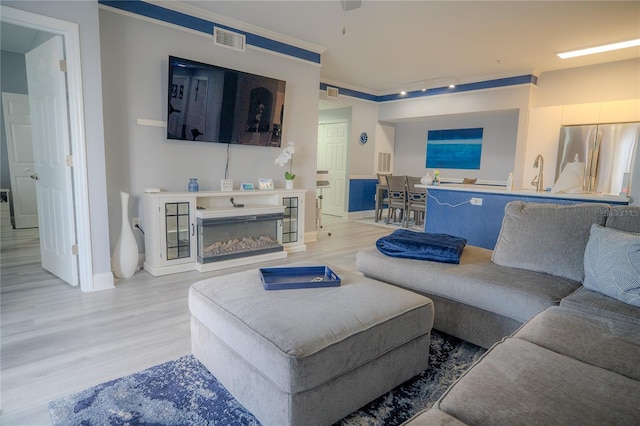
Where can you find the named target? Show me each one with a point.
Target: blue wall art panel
(454, 149)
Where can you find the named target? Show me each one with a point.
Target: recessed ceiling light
(600, 49)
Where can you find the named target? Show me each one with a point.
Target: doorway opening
(80, 247)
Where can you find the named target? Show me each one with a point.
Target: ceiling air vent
(332, 92)
(229, 39)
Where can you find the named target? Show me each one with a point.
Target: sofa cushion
(624, 218)
(598, 304)
(476, 281)
(547, 238)
(520, 383)
(612, 264)
(592, 339)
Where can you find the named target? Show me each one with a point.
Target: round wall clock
(363, 138)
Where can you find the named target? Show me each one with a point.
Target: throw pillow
(547, 238)
(612, 264)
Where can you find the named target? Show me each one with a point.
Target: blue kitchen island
(475, 212)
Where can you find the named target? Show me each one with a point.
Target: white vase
(124, 261)
(288, 184)
(426, 179)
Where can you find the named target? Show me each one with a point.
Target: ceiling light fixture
(599, 49)
(348, 5)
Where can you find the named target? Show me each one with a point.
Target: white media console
(204, 231)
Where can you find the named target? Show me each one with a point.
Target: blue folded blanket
(423, 246)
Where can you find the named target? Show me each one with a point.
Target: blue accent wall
(480, 225)
(362, 194)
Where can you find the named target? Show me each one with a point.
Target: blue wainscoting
(449, 212)
(362, 194)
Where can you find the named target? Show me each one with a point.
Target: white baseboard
(361, 215)
(102, 281)
(310, 237)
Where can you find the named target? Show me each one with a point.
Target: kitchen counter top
(525, 192)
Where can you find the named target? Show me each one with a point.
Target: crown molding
(190, 10)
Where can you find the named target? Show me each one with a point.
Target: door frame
(71, 36)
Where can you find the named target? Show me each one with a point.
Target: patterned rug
(183, 392)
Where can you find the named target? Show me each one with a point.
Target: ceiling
(388, 45)
(16, 39)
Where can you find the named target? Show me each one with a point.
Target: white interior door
(332, 156)
(17, 124)
(51, 153)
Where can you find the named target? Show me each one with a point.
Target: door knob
(35, 176)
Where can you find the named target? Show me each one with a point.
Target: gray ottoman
(308, 356)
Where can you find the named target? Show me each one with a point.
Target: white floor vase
(124, 260)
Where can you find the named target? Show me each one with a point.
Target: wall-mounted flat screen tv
(208, 103)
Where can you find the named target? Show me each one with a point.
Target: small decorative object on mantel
(265, 184)
(286, 156)
(193, 185)
(124, 260)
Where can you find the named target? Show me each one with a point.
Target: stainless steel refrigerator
(609, 152)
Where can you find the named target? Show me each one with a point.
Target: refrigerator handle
(587, 173)
(592, 165)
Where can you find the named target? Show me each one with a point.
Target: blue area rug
(183, 392)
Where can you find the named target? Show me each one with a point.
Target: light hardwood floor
(57, 340)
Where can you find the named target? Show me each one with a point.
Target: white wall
(85, 14)
(363, 117)
(437, 108)
(361, 157)
(600, 93)
(498, 144)
(607, 82)
(134, 58)
(385, 143)
(606, 93)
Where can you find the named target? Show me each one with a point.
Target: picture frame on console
(265, 184)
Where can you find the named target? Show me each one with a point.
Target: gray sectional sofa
(559, 295)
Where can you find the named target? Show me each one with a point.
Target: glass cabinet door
(178, 232)
(290, 222)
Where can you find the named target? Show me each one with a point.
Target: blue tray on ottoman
(298, 277)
